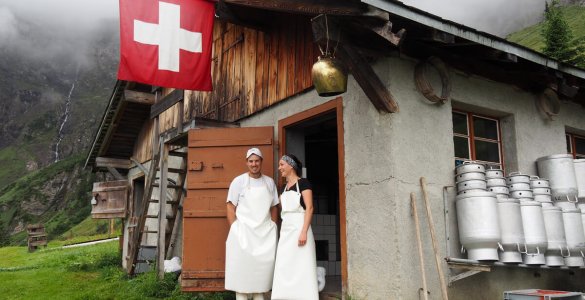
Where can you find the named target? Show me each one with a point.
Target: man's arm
(231, 213)
(274, 213)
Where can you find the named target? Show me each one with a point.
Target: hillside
(57, 196)
(531, 37)
(53, 92)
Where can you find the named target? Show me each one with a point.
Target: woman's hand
(302, 239)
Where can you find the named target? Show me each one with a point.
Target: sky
(66, 13)
(66, 23)
(498, 17)
(52, 29)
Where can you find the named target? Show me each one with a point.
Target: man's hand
(231, 213)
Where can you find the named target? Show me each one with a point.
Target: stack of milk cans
(522, 218)
(561, 170)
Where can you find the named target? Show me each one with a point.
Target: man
(251, 243)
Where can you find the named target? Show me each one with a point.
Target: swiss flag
(167, 43)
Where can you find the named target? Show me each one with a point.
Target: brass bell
(329, 76)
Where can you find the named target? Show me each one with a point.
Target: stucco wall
(385, 156)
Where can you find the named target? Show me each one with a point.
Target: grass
(90, 272)
(531, 37)
(12, 165)
(89, 230)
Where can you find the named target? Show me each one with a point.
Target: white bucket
(555, 234)
(534, 232)
(575, 235)
(510, 220)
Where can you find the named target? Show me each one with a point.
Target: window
(477, 138)
(575, 145)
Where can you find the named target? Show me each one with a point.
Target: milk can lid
(555, 156)
(530, 203)
(551, 208)
(474, 193)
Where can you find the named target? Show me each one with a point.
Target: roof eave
(482, 38)
(105, 127)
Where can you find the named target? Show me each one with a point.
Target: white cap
(254, 151)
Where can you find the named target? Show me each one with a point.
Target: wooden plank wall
(255, 69)
(143, 146)
(251, 70)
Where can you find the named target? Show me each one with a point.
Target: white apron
(295, 271)
(251, 243)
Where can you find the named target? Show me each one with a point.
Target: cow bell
(329, 76)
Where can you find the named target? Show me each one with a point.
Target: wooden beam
(105, 162)
(140, 166)
(115, 173)
(370, 83)
(138, 97)
(225, 13)
(385, 31)
(308, 7)
(166, 102)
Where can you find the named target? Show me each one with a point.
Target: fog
(498, 17)
(55, 29)
(62, 29)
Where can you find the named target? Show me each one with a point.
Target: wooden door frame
(335, 105)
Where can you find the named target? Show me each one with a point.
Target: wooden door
(216, 156)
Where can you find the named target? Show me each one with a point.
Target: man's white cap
(254, 151)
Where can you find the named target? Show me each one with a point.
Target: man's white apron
(251, 243)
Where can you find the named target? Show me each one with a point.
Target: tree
(556, 32)
(559, 42)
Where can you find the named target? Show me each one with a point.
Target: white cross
(168, 36)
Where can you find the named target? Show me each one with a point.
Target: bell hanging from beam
(329, 76)
(329, 73)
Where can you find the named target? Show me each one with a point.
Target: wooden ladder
(156, 213)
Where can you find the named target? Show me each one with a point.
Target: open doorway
(316, 138)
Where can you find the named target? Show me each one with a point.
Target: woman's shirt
(304, 184)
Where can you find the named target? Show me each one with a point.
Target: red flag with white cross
(167, 43)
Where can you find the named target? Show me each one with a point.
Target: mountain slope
(531, 37)
(53, 93)
(50, 106)
(57, 196)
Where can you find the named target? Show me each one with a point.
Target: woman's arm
(308, 199)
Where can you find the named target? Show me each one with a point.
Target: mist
(498, 17)
(55, 31)
(61, 30)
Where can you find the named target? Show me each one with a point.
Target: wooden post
(181, 108)
(423, 183)
(419, 244)
(162, 211)
(111, 228)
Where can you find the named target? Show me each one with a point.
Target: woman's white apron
(295, 271)
(251, 243)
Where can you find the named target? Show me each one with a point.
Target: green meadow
(89, 272)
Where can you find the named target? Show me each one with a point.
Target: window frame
(471, 138)
(572, 145)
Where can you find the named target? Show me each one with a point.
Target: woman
(295, 271)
